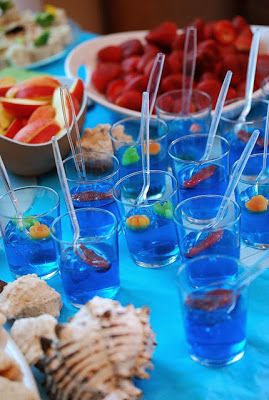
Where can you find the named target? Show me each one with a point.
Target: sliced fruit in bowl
(28, 124)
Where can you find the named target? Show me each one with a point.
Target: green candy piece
(42, 39)
(26, 222)
(44, 19)
(164, 209)
(130, 156)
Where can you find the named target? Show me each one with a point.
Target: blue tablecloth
(175, 375)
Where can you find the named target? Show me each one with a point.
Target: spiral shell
(98, 352)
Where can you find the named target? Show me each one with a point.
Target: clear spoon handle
(154, 80)
(266, 134)
(236, 175)
(9, 189)
(189, 63)
(217, 114)
(144, 135)
(253, 272)
(65, 189)
(252, 61)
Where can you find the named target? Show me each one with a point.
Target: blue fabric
(175, 375)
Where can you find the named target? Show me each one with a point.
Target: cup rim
(260, 155)
(154, 171)
(237, 121)
(136, 142)
(198, 135)
(172, 114)
(185, 264)
(89, 238)
(101, 179)
(32, 187)
(237, 207)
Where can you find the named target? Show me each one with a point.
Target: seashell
(12, 390)
(98, 352)
(27, 333)
(29, 296)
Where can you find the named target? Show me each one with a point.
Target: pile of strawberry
(122, 71)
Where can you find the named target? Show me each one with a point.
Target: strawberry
(151, 49)
(114, 89)
(138, 83)
(211, 87)
(130, 76)
(232, 94)
(171, 82)
(131, 100)
(163, 35)
(132, 47)
(105, 73)
(209, 45)
(243, 41)
(227, 49)
(199, 24)
(263, 65)
(208, 76)
(130, 64)
(209, 30)
(232, 62)
(175, 61)
(241, 89)
(177, 106)
(166, 103)
(144, 61)
(110, 54)
(239, 23)
(178, 43)
(224, 32)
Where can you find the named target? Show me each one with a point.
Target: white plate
(85, 54)
(9, 346)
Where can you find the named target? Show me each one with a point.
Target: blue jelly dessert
(30, 248)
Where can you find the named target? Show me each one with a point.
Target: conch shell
(98, 352)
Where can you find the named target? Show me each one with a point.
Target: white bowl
(85, 54)
(36, 159)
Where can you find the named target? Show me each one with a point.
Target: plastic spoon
(263, 175)
(189, 63)
(234, 179)
(154, 80)
(247, 277)
(87, 255)
(66, 192)
(144, 132)
(253, 272)
(216, 116)
(252, 61)
(236, 175)
(65, 94)
(10, 191)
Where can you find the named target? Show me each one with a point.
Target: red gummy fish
(93, 259)
(209, 241)
(211, 300)
(91, 196)
(200, 176)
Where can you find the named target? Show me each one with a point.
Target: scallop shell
(98, 352)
